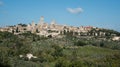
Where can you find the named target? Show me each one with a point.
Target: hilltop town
(43, 28)
(53, 29)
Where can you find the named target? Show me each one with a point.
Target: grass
(94, 55)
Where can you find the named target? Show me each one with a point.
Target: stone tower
(41, 20)
(33, 23)
(53, 22)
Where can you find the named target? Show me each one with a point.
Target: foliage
(23, 25)
(80, 43)
(69, 51)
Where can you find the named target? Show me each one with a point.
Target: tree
(101, 44)
(13, 31)
(50, 36)
(37, 31)
(23, 25)
(17, 30)
(61, 62)
(58, 51)
(64, 32)
(4, 57)
(80, 43)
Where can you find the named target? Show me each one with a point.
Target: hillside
(64, 51)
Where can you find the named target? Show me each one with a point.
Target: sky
(98, 13)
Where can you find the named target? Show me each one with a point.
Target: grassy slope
(95, 55)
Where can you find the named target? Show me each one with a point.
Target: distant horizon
(97, 13)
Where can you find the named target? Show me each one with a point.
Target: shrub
(101, 44)
(61, 62)
(77, 64)
(80, 43)
(58, 51)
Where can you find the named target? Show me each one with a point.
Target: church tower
(53, 22)
(41, 20)
(33, 23)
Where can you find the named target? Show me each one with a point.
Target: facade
(116, 38)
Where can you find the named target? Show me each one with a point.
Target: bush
(101, 44)
(57, 52)
(4, 56)
(77, 64)
(61, 62)
(80, 43)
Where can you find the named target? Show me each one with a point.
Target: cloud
(75, 10)
(1, 3)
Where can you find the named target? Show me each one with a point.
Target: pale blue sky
(99, 13)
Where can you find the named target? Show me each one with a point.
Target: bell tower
(53, 22)
(41, 20)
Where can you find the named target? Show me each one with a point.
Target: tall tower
(33, 23)
(41, 20)
(53, 22)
